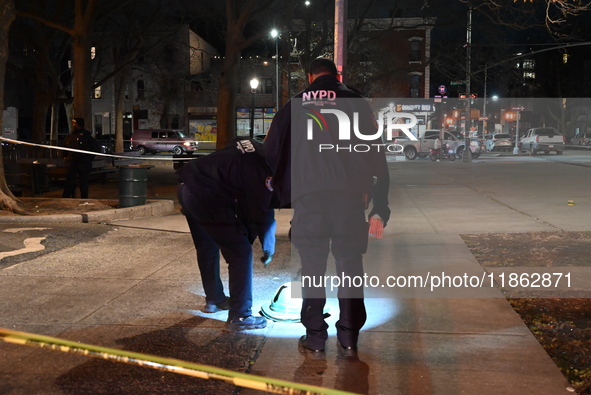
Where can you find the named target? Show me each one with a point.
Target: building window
(415, 49)
(268, 85)
(97, 92)
(415, 85)
(98, 124)
(140, 89)
(196, 86)
(174, 123)
(265, 87)
(529, 66)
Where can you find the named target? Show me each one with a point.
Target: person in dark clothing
(225, 199)
(78, 164)
(328, 183)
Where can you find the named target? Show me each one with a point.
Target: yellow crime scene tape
(275, 386)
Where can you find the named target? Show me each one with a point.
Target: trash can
(39, 178)
(133, 185)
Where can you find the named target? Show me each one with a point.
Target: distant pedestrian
(79, 164)
(225, 199)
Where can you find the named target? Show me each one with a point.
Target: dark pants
(331, 222)
(228, 237)
(77, 170)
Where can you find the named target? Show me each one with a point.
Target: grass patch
(561, 325)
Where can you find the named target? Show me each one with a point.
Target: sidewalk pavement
(136, 287)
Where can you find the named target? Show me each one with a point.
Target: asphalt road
(494, 175)
(142, 293)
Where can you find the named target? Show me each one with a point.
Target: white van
(163, 140)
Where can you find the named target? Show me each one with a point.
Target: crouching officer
(225, 198)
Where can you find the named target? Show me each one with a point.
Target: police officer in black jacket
(327, 174)
(78, 164)
(225, 199)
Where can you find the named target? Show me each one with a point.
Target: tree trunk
(227, 98)
(83, 22)
(81, 107)
(7, 15)
(53, 133)
(42, 103)
(120, 109)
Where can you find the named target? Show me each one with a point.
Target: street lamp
(517, 116)
(467, 154)
(275, 35)
(254, 84)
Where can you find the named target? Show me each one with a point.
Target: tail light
(537, 139)
(564, 139)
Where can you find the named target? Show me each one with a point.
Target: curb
(152, 208)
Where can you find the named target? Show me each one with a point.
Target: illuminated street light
(254, 84)
(275, 35)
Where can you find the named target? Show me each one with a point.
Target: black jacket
(230, 182)
(300, 167)
(81, 139)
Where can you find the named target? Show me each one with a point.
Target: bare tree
(238, 15)
(555, 15)
(127, 37)
(7, 15)
(85, 14)
(40, 62)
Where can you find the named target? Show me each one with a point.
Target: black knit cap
(80, 122)
(322, 65)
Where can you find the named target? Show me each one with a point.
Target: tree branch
(47, 22)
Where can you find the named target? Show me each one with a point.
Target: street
(135, 285)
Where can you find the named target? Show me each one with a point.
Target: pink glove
(376, 227)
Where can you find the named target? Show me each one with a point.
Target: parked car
(581, 139)
(542, 139)
(476, 146)
(421, 147)
(160, 140)
(500, 142)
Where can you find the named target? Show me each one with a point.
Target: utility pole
(340, 37)
(484, 121)
(467, 154)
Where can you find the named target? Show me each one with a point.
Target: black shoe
(303, 346)
(246, 323)
(215, 307)
(347, 352)
(266, 258)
